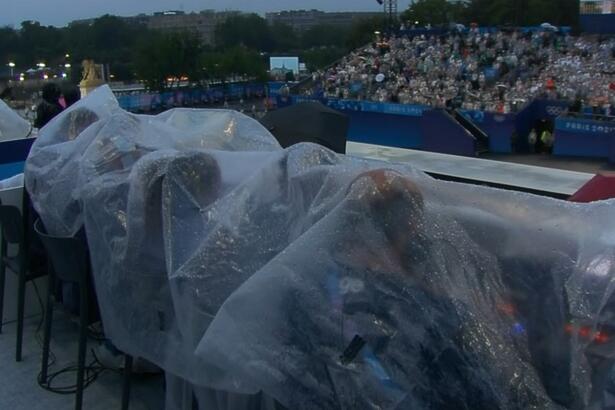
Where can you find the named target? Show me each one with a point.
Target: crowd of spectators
(497, 72)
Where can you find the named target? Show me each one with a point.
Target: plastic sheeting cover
(12, 126)
(322, 280)
(12, 182)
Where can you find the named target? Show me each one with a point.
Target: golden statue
(91, 77)
(90, 72)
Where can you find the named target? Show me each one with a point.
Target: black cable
(10, 322)
(92, 370)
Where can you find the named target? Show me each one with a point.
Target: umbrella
(548, 26)
(308, 122)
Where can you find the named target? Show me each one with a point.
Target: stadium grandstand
(492, 70)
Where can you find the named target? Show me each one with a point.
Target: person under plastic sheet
(183, 206)
(377, 307)
(541, 276)
(396, 206)
(283, 226)
(166, 220)
(133, 276)
(141, 312)
(55, 167)
(12, 126)
(60, 167)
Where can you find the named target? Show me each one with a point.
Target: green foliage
(249, 30)
(321, 57)
(493, 12)
(362, 31)
(9, 46)
(236, 61)
(164, 55)
(284, 37)
(241, 40)
(38, 42)
(324, 35)
(434, 12)
(521, 12)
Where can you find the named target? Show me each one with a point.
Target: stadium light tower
(390, 10)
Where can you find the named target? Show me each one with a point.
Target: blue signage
(585, 126)
(477, 117)
(384, 108)
(185, 97)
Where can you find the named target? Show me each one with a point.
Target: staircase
(482, 139)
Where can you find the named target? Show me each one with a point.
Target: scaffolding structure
(390, 10)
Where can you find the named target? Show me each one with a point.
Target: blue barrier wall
(525, 119)
(393, 125)
(598, 23)
(442, 133)
(549, 109)
(151, 101)
(13, 155)
(385, 129)
(582, 137)
(498, 127)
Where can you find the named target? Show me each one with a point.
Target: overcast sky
(60, 12)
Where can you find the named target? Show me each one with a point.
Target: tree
(522, 12)
(362, 31)
(250, 30)
(284, 37)
(324, 35)
(236, 61)
(321, 57)
(41, 43)
(243, 61)
(164, 55)
(9, 46)
(434, 12)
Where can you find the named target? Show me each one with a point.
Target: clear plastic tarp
(258, 277)
(12, 126)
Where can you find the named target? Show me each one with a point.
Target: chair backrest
(11, 223)
(68, 255)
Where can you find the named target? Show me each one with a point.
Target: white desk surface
(527, 177)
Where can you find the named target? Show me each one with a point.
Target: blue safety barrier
(13, 155)
(500, 129)
(598, 23)
(384, 108)
(152, 101)
(416, 126)
(585, 137)
(442, 133)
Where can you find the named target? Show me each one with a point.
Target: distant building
(203, 23)
(302, 20)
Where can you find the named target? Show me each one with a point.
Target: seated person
(377, 306)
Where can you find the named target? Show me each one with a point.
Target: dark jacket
(49, 107)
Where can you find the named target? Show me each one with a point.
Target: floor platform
(19, 389)
(578, 164)
(548, 181)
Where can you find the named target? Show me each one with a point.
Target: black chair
(70, 262)
(13, 233)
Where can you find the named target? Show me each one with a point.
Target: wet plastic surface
(322, 281)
